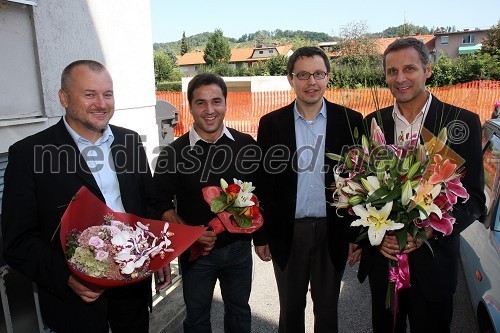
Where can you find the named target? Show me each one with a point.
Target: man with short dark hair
(208, 152)
(45, 171)
(428, 304)
(307, 241)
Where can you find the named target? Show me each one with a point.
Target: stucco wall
(114, 32)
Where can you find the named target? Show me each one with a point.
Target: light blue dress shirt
(310, 140)
(100, 162)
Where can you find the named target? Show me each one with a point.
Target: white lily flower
(406, 193)
(244, 199)
(376, 220)
(424, 197)
(371, 184)
(245, 187)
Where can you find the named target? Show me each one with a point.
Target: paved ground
(354, 306)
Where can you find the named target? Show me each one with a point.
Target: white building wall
(250, 83)
(114, 32)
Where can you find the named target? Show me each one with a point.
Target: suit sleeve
(473, 180)
(165, 178)
(261, 237)
(25, 248)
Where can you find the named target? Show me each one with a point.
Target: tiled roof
(191, 58)
(237, 55)
(383, 43)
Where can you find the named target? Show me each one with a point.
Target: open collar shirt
(101, 164)
(310, 140)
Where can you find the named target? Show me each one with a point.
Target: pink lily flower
(454, 189)
(442, 170)
(376, 132)
(443, 224)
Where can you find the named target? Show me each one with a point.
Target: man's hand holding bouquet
(400, 193)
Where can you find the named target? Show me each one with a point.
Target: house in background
(428, 40)
(454, 44)
(190, 62)
(333, 50)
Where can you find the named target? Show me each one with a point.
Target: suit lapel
(121, 160)
(71, 160)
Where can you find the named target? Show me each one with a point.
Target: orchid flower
(376, 220)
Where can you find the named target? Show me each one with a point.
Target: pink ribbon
(400, 275)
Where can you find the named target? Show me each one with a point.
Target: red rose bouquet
(237, 207)
(237, 210)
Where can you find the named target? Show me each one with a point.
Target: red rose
(251, 211)
(232, 191)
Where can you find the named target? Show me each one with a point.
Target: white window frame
(31, 110)
(445, 40)
(471, 39)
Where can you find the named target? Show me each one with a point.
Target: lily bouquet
(110, 249)
(399, 190)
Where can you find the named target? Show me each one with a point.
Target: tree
(277, 65)
(356, 40)
(491, 44)
(165, 68)
(404, 30)
(184, 44)
(217, 48)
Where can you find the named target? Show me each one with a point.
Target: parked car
(480, 242)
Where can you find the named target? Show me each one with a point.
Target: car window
(486, 135)
(491, 160)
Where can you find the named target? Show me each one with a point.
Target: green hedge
(169, 86)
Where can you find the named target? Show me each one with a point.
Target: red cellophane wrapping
(87, 210)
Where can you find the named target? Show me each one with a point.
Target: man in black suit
(200, 158)
(308, 242)
(45, 170)
(429, 302)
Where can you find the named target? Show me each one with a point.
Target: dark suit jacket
(279, 180)
(44, 171)
(436, 275)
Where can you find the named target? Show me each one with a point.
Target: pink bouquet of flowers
(401, 190)
(110, 249)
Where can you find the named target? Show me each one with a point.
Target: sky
(236, 18)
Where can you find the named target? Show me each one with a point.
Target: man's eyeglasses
(307, 75)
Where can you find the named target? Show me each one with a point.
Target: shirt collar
(106, 135)
(420, 116)
(297, 115)
(194, 137)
